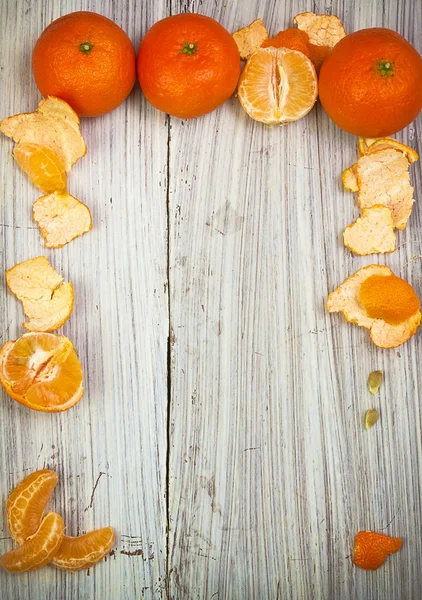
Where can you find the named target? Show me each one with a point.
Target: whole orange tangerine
(86, 60)
(371, 83)
(188, 65)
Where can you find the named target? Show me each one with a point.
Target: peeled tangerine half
(377, 299)
(61, 218)
(42, 371)
(47, 301)
(278, 85)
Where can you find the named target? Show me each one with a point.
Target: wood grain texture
(116, 436)
(271, 471)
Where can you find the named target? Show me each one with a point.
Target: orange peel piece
(372, 233)
(346, 299)
(278, 85)
(53, 125)
(323, 30)
(249, 39)
(371, 549)
(47, 301)
(39, 549)
(26, 503)
(381, 177)
(84, 551)
(42, 371)
(61, 218)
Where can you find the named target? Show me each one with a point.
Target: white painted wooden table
(221, 429)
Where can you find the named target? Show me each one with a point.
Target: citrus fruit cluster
(41, 539)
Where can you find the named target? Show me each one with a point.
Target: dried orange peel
(54, 125)
(26, 503)
(381, 177)
(249, 39)
(322, 30)
(390, 311)
(84, 551)
(37, 550)
(278, 85)
(42, 371)
(47, 301)
(371, 549)
(61, 218)
(372, 233)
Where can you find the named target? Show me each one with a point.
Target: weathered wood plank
(271, 472)
(116, 436)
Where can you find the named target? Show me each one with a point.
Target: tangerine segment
(278, 85)
(389, 298)
(26, 503)
(371, 549)
(42, 165)
(77, 553)
(39, 549)
(42, 371)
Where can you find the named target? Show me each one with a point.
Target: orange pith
(26, 503)
(42, 371)
(278, 85)
(389, 298)
(295, 39)
(77, 553)
(371, 549)
(42, 165)
(39, 549)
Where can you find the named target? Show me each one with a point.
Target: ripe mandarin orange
(188, 65)
(87, 60)
(371, 83)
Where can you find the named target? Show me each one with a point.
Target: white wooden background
(231, 460)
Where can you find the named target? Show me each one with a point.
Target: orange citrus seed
(42, 371)
(42, 165)
(84, 551)
(39, 549)
(371, 549)
(278, 85)
(26, 503)
(389, 298)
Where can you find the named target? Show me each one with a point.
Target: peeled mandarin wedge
(42, 371)
(43, 166)
(278, 85)
(26, 503)
(39, 549)
(84, 551)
